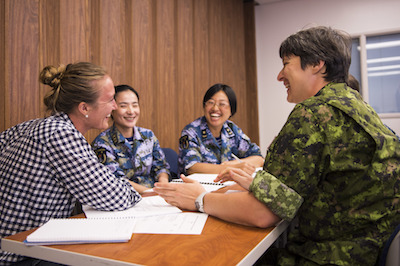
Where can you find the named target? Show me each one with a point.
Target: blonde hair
(71, 85)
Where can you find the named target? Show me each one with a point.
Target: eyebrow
(128, 102)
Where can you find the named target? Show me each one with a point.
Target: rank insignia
(229, 131)
(101, 155)
(204, 133)
(114, 138)
(184, 142)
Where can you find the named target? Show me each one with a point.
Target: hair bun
(52, 76)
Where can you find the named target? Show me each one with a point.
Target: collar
(117, 136)
(206, 132)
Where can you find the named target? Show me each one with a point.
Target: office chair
(172, 160)
(391, 251)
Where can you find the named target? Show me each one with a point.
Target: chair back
(391, 251)
(172, 160)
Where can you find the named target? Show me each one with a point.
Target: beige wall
(170, 51)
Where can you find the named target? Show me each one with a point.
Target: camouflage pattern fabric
(140, 163)
(198, 145)
(336, 153)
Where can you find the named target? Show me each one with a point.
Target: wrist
(162, 178)
(199, 202)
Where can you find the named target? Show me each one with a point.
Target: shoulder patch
(184, 142)
(101, 155)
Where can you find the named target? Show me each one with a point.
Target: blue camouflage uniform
(141, 163)
(198, 145)
(337, 166)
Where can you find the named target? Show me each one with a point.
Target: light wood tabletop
(220, 243)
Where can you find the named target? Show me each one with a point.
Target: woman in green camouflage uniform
(334, 164)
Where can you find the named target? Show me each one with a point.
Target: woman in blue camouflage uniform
(130, 151)
(212, 143)
(334, 165)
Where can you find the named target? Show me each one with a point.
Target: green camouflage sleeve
(279, 198)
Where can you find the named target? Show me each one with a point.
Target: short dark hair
(321, 43)
(123, 87)
(228, 91)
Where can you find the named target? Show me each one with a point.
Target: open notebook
(148, 206)
(207, 180)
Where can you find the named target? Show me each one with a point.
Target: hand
(240, 164)
(139, 188)
(163, 178)
(240, 176)
(181, 195)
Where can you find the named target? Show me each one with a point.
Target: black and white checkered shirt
(45, 166)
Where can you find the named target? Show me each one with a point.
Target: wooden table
(220, 243)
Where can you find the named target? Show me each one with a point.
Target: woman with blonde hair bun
(46, 164)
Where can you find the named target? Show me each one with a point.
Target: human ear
(83, 108)
(319, 67)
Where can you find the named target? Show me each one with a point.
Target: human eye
(210, 103)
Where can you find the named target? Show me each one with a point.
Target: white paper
(187, 223)
(148, 206)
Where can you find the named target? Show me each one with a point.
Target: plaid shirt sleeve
(84, 176)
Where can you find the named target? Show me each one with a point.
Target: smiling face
(99, 112)
(127, 113)
(298, 82)
(217, 110)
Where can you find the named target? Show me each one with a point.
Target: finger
(159, 187)
(223, 178)
(187, 179)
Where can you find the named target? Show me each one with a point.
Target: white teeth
(215, 115)
(109, 115)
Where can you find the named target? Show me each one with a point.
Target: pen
(236, 158)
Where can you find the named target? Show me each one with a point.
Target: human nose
(280, 75)
(114, 105)
(130, 109)
(215, 105)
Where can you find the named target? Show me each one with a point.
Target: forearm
(139, 188)
(255, 160)
(240, 207)
(206, 168)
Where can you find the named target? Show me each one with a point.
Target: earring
(87, 116)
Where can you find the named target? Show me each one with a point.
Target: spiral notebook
(207, 180)
(80, 231)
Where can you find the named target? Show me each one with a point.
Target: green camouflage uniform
(338, 167)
